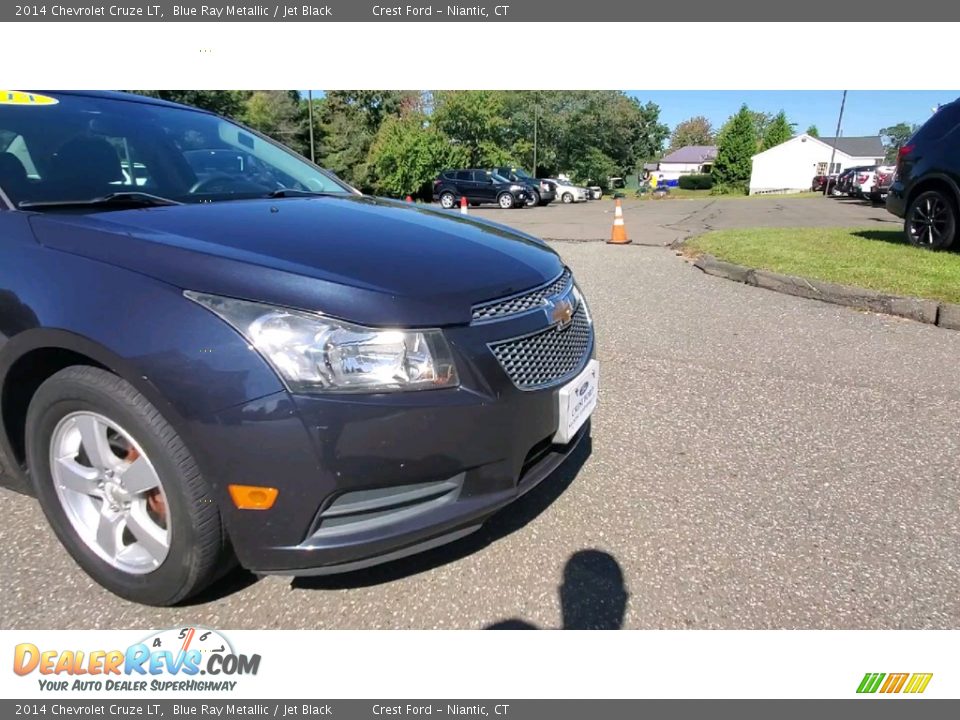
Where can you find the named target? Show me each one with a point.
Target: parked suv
(261, 367)
(479, 186)
(542, 192)
(925, 185)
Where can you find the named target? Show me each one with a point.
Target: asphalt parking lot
(662, 222)
(757, 461)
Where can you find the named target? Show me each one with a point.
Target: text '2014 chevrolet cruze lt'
(213, 351)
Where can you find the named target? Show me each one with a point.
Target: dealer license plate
(577, 400)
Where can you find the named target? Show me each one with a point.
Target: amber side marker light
(253, 497)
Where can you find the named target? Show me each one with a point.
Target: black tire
(198, 549)
(505, 201)
(567, 198)
(931, 221)
(534, 199)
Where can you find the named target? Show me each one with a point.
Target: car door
(463, 182)
(483, 187)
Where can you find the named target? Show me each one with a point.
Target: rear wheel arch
(935, 182)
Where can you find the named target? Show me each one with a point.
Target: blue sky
(866, 112)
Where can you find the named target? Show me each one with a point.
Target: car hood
(358, 258)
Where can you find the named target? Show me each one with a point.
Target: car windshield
(499, 178)
(523, 174)
(86, 148)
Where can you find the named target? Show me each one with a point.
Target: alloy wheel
(931, 221)
(110, 492)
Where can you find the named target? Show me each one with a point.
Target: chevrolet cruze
(212, 351)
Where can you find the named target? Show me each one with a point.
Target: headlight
(517, 188)
(582, 302)
(313, 353)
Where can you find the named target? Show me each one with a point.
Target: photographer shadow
(593, 595)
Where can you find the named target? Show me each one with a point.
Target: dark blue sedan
(212, 351)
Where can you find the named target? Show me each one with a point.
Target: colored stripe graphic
(918, 682)
(894, 682)
(870, 682)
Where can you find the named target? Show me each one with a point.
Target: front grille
(522, 302)
(549, 357)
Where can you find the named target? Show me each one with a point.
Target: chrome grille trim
(522, 302)
(548, 357)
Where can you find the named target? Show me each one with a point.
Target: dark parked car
(925, 185)
(846, 179)
(479, 186)
(269, 369)
(819, 181)
(542, 192)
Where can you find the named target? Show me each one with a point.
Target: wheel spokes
(139, 477)
(151, 537)
(74, 476)
(109, 531)
(93, 439)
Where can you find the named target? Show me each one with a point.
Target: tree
(223, 102)
(737, 144)
(594, 167)
(778, 132)
(693, 131)
(813, 132)
(282, 115)
(895, 137)
(350, 122)
(476, 121)
(621, 127)
(407, 154)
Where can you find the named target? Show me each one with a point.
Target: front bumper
(368, 478)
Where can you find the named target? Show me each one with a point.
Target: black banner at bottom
(873, 707)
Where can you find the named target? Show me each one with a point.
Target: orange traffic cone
(619, 234)
(463, 206)
(409, 198)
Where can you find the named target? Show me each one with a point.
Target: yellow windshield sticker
(16, 97)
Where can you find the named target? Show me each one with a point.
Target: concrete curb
(931, 312)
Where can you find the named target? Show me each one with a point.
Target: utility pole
(313, 154)
(536, 118)
(833, 150)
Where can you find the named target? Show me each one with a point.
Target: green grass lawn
(881, 260)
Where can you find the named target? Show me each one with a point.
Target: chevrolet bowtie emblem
(561, 313)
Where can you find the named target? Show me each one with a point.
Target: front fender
(185, 360)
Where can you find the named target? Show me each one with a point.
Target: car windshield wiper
(291, 192)
(117, 199)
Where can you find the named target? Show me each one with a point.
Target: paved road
(662, 222)
(758, 461)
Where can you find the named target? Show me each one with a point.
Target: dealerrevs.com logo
(182, 659)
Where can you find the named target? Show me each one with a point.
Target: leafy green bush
(729, 189)
(695, 182)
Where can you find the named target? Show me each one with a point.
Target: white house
(791, 166)
(687, 160)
